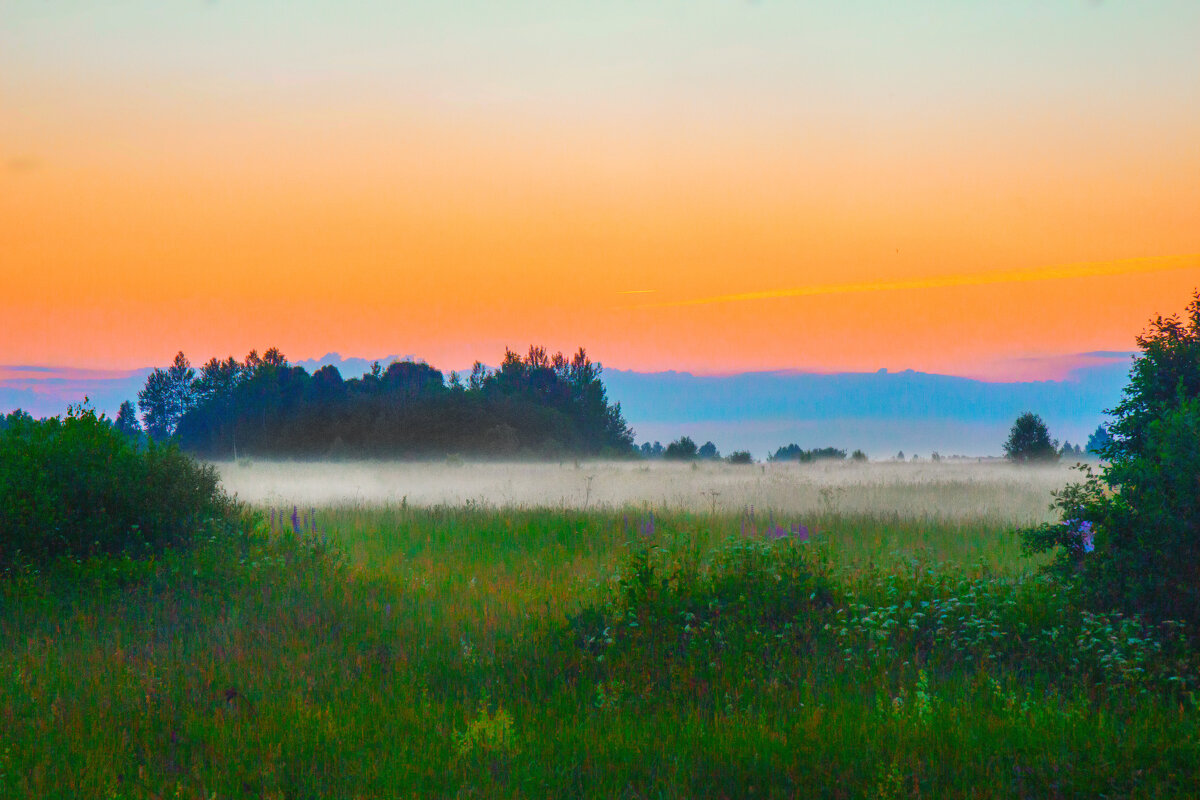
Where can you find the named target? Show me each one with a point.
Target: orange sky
(376, 210)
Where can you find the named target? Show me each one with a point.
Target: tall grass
(480, 652)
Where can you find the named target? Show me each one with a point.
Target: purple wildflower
(1087, 537)
(776, 532)
(647, 528)
(295, 520)
(800, 532)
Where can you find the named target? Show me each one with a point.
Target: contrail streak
(1091, 269)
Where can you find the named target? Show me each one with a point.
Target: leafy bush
(77, 486)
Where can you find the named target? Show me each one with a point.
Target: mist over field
(966, 489)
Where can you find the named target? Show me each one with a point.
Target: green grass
(463, 653)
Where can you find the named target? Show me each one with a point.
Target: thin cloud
(1091, 269)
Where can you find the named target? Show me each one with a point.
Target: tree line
(685, 449)
(1029, 442)
(533, 405)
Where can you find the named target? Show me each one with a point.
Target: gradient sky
(979, 189)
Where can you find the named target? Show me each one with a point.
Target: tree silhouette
(154, 401)
(1029, 441)
(167, 396)
(682, 449)
(126, 421)
(794, 452)
(1098, 441)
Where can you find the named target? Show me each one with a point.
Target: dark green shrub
(76, 486)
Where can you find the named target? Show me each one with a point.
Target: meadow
(859, 633)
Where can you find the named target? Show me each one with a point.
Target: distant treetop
(1029, 441)
(794, 452)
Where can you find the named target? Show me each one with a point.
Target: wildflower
(800, 532)
(776, 532)
(647, 528)
(1086, 535)
(295, 520)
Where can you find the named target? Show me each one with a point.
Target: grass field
(479, 651)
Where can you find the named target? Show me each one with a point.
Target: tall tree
(1029, 441)
(167, 396)
(218, 379)
(154, 401)
(1098, 441)
(183, 385)
(126, 421)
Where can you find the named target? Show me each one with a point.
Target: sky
(975, 189)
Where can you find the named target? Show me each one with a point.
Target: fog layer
(947, 489)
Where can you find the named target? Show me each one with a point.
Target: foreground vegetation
(456, 652)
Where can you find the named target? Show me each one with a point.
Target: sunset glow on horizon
(711, 187)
